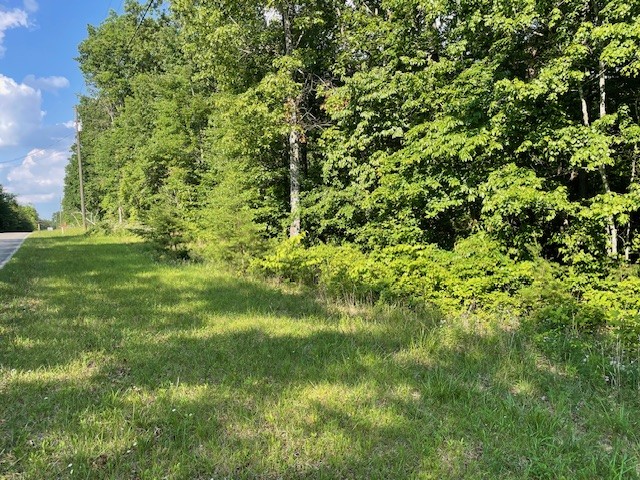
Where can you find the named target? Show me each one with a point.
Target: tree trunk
(612, 228)
(582, 176)
(627, 240)
(294, 173)
(294, 133)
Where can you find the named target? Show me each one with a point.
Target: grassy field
(115, 366)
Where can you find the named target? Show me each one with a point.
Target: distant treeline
(14, 217)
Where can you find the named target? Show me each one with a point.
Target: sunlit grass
(115, 366)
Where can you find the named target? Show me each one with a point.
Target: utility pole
(60, 217)
(82, 208)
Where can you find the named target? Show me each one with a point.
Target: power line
(128, 44)
(109, 8)
(37, 150)
(139, 24)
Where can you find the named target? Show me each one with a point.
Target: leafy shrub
(166, 230)
(111, 227)
(619, 300)
(518, 210)
(475, 273)
(339, 270)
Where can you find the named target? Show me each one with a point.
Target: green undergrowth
(475, 276)
(116, 366)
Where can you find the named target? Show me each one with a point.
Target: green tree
(282, 51)
(374, 122)
(15, 217)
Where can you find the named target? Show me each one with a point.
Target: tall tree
(378, 122)
(280, 49)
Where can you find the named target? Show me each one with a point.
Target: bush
(338, 270)
(166, 231)
(619, 300)
(475, 273)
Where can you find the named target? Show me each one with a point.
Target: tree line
(371, 122)
(15, 217)
(386, 129)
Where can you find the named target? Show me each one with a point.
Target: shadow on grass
(123, 368)
(96, 293)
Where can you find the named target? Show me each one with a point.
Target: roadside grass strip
(115, 366)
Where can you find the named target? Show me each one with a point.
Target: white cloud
(31, 5)
(40, 176)
(50, 84)
(11, 19)
(20, 111)
(35, 199)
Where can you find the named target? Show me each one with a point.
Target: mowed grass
(115, 366)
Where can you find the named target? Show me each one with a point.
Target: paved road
(9, 244)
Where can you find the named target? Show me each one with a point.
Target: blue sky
(39, 85)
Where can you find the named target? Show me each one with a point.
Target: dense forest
(15, 217)
(467, 153)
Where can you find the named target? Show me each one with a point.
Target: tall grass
(115, 366)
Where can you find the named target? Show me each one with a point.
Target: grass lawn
(115, 366)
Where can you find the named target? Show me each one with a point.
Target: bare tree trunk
(110, 109)
(627, 239)
(294, 133)
(601, 87)
(585, 109)
(582, 176)
(294, 172)
(80, 174)
(613, 229)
